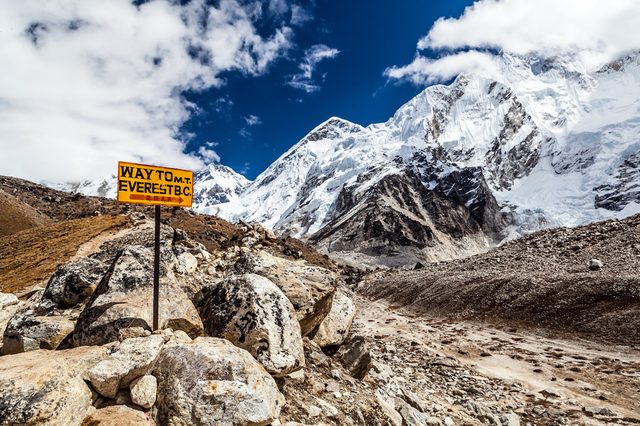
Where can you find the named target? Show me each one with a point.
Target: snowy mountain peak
(217, 184)
(332, 128)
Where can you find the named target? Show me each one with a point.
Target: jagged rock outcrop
(210, 382)
(74, 282)
(254, 314)
(27, 331)
(309, 288)
(121, 304)
(334, 328)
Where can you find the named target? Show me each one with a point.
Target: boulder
(116, 415)
(37, 388)
(595, 264)
(254, 314)
(335, 327)
(74, 282)
(387, 406)
(411, 416)
(309, 288)
(9, 305)
(131, 359)
(355, 357)
(121, 306)
(143, 391)
(211, 382)
(27, 331)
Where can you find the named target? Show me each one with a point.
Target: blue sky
(370, 36)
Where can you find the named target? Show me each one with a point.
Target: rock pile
(246, 338)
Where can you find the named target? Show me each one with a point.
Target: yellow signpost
(155, 186)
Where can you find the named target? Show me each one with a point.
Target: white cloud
(594, 31)
(86, 83)
(426, 71)
(252, 120)
(208, 155)
(312, 57)
(299, 15)
(245, 133)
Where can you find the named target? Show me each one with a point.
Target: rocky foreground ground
(258, 330)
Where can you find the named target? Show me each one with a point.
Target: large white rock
(9, 305)
(143, 391)
(335, 327)
(254, 314)
(309, 288)
(133, 358)
(38, 388)
(116, 415)
(212, 382)
(27, 331)
(121, 306)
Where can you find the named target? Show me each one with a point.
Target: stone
(598, 411)
(333, 330)
(133, 358)
(27, 331)
(388, 408)
(37, 388)
(595, 264)
(411, 416)
(309, 288)
(253, 313)
(9, 305)
(448, 421)
(143, 391)
(116, 415)
(510, 419)
(121, 306)
(7, 300)
(211, 382)
(413, 400)
(74, 282)
(354, 356)
(441, 361)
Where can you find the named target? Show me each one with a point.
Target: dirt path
(477, 374)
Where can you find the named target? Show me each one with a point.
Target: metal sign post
(156, 271)
(156, 186)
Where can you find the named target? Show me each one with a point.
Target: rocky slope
(261, 330)
(580, 280)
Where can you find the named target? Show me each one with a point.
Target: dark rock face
(355, 357)
(74, 282)
(409, 210)
(626, 188)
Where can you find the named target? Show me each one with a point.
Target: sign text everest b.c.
(152, 185)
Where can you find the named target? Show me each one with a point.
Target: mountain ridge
(555, 145)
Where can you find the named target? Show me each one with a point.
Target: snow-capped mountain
(454, 170)
(548, 143)
(217, 184)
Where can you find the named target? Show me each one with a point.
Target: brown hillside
(29, 257)
(16, 215)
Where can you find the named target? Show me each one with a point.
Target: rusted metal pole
(156, 272)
